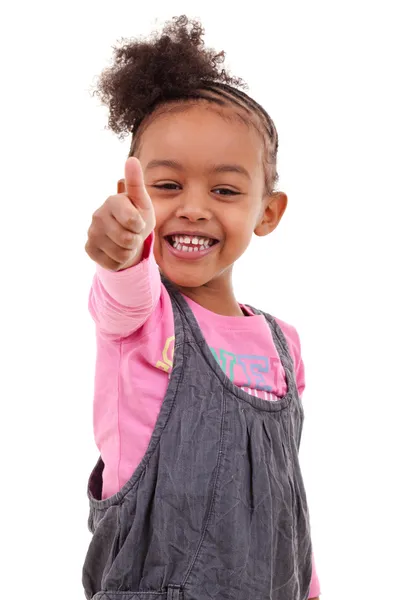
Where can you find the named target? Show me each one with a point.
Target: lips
(190, 245)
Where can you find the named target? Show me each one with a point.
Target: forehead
(201, 133)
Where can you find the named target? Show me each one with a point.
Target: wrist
(143, 252)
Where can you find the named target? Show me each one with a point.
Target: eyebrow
(153, 164)
(221, 168)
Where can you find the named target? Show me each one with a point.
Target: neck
(216, 296)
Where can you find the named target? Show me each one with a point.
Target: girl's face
(203, 170)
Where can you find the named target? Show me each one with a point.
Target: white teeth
(190, 244)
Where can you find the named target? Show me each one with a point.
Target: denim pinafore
(217, 509)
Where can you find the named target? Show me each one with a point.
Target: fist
(122, 224)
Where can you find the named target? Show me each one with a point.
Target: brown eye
(226, 192)
(167, 186)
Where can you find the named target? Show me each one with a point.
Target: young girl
(198, 492)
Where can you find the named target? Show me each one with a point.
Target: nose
(194, 207)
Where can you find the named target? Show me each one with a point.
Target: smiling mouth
(190, 243)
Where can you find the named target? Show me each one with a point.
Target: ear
(121, 186)
(273, 208)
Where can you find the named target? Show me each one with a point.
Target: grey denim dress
(217, 509)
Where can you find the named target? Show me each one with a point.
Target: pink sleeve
(315, 589)
(298, 364)
(121, 302)
(293, 340)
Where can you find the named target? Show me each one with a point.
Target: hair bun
(171, 63)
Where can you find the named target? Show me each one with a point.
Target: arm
(120, 302)
(127, 283)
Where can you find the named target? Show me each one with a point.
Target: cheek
(162, 213)
(240, 223)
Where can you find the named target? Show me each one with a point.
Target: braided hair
(174, 66)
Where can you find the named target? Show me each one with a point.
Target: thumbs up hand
(122, 224)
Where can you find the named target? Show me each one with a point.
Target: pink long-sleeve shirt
(135, 342)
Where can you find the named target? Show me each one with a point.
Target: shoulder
(294, 345)
(291, 334)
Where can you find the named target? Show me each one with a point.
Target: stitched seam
(220, 375)
(144, 462)
(214, 493)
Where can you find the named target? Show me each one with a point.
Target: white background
(327, 73)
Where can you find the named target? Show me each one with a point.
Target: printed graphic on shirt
(167, 355)
(248, 371)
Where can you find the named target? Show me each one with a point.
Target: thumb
(135, 188)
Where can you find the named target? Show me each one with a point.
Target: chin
(186, 276)
(184, 280)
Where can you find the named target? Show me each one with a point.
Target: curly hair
(175, 66)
